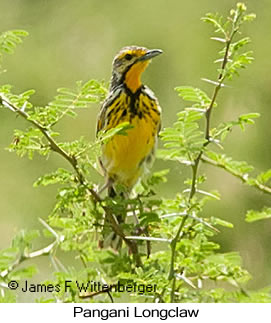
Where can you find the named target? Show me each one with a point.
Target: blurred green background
(74, 40)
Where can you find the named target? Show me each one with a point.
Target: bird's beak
(150, 54)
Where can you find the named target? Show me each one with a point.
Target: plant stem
(132, 245)
(25, 256)
(263, 188)
(195, 165)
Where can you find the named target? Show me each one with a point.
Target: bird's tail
(110, 238)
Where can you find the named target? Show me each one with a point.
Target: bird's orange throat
(133, 76)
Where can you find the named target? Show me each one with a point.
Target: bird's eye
(128, 57)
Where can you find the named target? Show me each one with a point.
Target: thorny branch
(29, 255)
(132, 245)
(195, 165)
(25, 256)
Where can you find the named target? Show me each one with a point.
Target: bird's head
(129, 64)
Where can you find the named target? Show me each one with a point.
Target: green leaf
(68, 101)
(248, 118)
(29, 142)
(9, 41)
(253, 215)
(59, 176)
(24, 239)
(239, 168)
(217, 21)
(224, 128)
(264, 177)
(240, 61)
(230, 257)
(158, 177)
(223, 223)
(250, 17)
(149, 217)
(22, 273)
(7, 256)
(85, 93)
(120, 129)
(189, 93)
(184, 139)
(19, 100)
(239, 44)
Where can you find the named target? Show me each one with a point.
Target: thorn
(24, 106)
(7, 105)
(214, 82)
(46, 225)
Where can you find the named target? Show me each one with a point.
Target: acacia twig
(73, 162)
(195, 165)
(245, 179)
(34, 254)
(25, 256)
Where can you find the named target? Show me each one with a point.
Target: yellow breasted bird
(124, 157)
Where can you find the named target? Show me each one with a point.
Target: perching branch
(73, 162)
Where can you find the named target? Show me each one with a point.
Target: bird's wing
(101, 120)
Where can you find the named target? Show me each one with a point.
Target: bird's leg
(108, 184)
(135, 217)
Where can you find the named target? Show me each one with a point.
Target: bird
(125, 158)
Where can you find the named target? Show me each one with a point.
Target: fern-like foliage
(253, 215)
(184, 140)
(9, 41)
(68, 101)
(222, 130)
